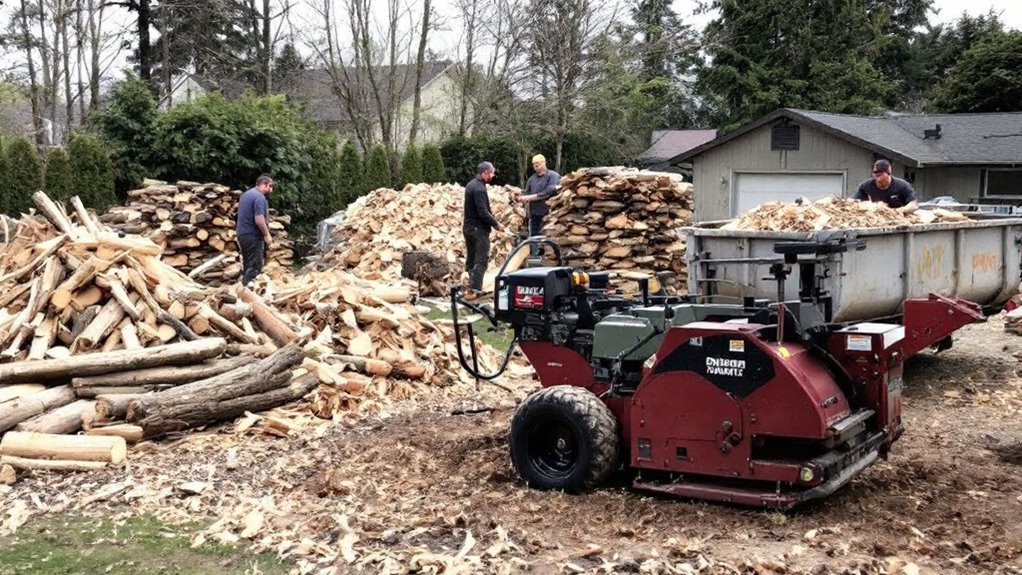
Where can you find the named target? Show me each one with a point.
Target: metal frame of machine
(757, 403)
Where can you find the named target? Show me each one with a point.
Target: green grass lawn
(140, 545)
(497, 337)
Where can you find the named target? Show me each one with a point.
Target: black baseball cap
(882, 166)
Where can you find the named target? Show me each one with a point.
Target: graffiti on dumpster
(931, 263)
(985, 262)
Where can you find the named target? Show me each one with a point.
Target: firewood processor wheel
(564, 437)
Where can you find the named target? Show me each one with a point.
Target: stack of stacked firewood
(386, 224)
(98, 334)
(833, 214)
(194, 226)
(623, 219)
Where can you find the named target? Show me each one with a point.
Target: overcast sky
(445, 43)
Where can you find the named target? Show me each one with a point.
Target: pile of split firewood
(194, 226)
(97, 333)
(423, 219)
(623, 219)
(835, 213)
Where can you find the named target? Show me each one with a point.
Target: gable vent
(784, 137)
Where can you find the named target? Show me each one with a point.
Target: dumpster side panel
(869, 283)
(977, 261)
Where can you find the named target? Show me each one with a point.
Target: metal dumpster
(976, 260)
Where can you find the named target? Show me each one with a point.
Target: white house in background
(438, 115)
(186, 88)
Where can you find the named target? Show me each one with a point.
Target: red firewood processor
(753, 402)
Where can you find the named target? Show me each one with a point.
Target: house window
(1002, 183)
(784, 137)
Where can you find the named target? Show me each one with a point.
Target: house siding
(961, 183)
(714, 170)
(438, 115)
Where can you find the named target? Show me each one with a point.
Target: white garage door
(752, 190)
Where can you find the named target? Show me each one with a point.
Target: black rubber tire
(564, 437)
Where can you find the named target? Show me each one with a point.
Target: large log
(272, 324)
(169, 376)
(9, 392)
(23, 408)
(64, 419)
(68, 447)
(183, 353)
(199, 403)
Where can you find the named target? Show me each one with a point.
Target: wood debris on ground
(622, 219)
(379, 228)
(97, 333)
(835, 213)
(194, 225)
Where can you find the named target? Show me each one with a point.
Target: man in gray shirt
(253, 228)
(540, 187)
(883, 187)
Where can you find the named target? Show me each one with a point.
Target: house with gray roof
(975, 158)
(666, 144)
(320, 92)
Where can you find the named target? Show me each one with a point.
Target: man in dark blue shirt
(476, 226)
(883, 187)
(539, 188)
(253, 228)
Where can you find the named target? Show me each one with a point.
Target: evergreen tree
(57, 180)
(24, 175)
(351, 173)
(128, 128)
(3, 177)
(411, 167)
(92, 172)
(287, 67)
(767, 54)
(987, 78)
(324, 194)
(377, 169)
(209, 39)
(433, 171)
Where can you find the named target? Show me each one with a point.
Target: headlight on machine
(807, 475)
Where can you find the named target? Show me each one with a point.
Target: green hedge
(24, 175)
(92, 172)
(58, 180)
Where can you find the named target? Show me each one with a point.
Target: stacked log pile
(835, 213)
(623, 219)
(98, 334)
(194, 226)
(382, 226)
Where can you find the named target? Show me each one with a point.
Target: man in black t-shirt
(883, 187)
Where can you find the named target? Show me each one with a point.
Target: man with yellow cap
(538, 189)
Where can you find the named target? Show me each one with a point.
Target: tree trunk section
(67, 447)
(208, 400)
(21, 409)
(66, 419)
(184, 353)
(170, 376)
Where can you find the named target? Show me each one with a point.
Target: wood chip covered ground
(354, 479)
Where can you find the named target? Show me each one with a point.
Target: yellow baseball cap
(538, 158)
